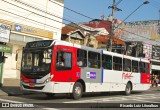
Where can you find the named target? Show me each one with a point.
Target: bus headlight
(49, 79)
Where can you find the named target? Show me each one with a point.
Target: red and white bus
(53, 66)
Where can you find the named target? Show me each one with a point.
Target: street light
(113, 28)
(144, 3)
(159, 24)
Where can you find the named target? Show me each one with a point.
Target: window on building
(103, 47)
(63, 60)
(126, 65)
(134, 66)
(91, 45)
(117, 63)
(155, 63)
(93, 60)
(107, 62)
(81, 58)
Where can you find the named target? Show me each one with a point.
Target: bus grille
(35, 88)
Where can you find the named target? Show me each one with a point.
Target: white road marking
(144, 101)
(141, 98)
(10, 101)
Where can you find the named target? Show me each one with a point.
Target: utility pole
(112, 25)
(159, 24)
(114, 8)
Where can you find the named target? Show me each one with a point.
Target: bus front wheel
(128, 89)
(77, 91)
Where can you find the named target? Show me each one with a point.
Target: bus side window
(142, 67)
(147, 68)
(126, 65)
(135, 66)
(117, 63)
(93, 60)
(81, 58)
(63, 60)
(107, 62)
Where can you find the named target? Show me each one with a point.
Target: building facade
(79, 36)
(30, 21)
(43, 14)
(144, 31)
(18, 38)
(144, 39)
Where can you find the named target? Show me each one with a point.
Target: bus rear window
(144, 67)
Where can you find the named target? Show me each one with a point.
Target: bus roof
(48, 43)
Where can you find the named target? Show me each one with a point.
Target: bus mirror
(2, 59)
(49, 50)
(50, 55)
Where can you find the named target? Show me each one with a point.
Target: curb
(2, 93)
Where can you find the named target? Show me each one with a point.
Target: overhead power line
(39, 10)
(119, 2)
(29, 19)
(104, 23)
(71, 9)
(59, 17)
(39, 15)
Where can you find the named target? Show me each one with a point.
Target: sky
(96, 8)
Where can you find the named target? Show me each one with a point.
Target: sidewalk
(155, 88)
(11, 87)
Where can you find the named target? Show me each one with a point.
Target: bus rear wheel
(128, 89)
(77, 91)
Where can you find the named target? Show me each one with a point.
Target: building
(30, 21)
(103, 28)
(72, 35)
(117, 44)
(144, 31)
(97, 23)
(145, 38)
(78, 36)
(43, 14)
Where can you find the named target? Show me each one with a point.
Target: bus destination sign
(37, 44)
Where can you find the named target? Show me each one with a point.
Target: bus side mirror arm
(2, 59)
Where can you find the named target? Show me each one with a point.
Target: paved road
(62, 100)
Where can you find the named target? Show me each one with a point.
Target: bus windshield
(36, 60)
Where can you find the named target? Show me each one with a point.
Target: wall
(28, 13)
(146, 31)
(9, 69)
(91, 41)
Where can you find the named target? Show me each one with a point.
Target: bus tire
(49, 95)
(77, 91)
(128, 89)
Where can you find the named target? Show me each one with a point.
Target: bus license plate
(31, 85)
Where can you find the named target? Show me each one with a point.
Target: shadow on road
(15, 91)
